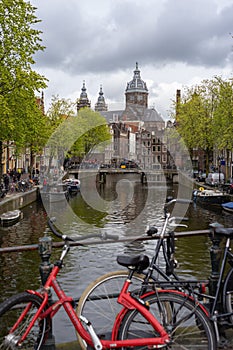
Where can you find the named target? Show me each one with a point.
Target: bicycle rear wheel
(10, 310)
(188, 326)
(98, 303)
(228, 294)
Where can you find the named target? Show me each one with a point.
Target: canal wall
(107, 178)
(18, 200)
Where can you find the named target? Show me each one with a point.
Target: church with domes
(137, 130)
(136, 104)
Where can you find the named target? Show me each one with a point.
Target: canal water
(121, 209)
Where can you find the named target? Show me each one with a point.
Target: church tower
(101, 106)
(83, 101)
(136, 92)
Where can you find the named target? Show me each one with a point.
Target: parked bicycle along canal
(122, 210)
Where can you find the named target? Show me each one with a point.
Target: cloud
(186, 31)
(99, 42)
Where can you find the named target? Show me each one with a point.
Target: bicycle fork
(96, 342)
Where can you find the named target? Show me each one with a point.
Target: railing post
(143, 177)
(215, 257)
(45, 250)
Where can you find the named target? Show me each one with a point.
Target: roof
(112, 116)
(150, 114)
(134, 114)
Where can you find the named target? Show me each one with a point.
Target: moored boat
(228, 207)
(10, 217)
(204, 196)
(73, 186)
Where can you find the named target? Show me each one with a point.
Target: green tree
(223, 115)
(74, 135)
(19, 42)
(94, 132)
(60, 110)
(195, 119)
(223, 118)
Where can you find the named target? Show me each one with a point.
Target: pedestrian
(45, 183)
(231, 189)
(6, 181)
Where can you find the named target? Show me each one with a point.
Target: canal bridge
(105, 175)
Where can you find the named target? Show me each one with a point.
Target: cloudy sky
(177, 43)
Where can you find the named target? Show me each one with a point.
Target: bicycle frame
(125, 299)
(183, 294)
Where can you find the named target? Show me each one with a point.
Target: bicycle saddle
(226, 232)
(140, 262)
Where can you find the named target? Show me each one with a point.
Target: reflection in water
(18, 270)
(125, 209)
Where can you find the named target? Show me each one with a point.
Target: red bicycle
(157, 320)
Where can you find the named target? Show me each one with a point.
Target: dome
(137, 84)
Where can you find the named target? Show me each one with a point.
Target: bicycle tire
(228, 294)
(188, 326)
(98, 302)
(10, 309)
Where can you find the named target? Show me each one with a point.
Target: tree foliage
(19, 41)
(74, 135)
(205, 115)
(59, 110)
(94, 132)
(223, 115)
(194, 120)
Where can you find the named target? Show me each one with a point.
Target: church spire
(83, 101)
(101, 105)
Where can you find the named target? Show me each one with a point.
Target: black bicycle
(217, 303)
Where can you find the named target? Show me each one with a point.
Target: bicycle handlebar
(178, 218)
(103, 236)
(177, 200)
(58, 234)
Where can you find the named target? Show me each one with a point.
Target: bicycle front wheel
(188, 326)
(10, 311)
(98, 303)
